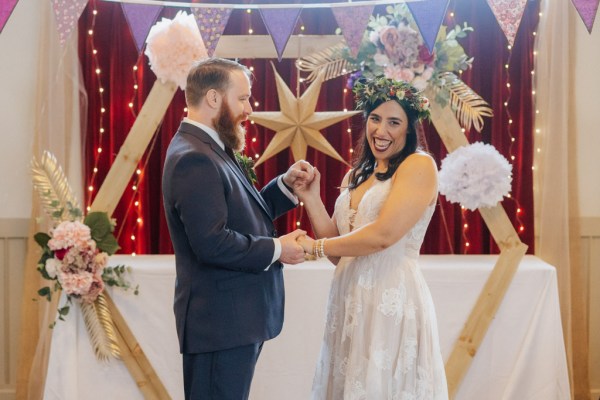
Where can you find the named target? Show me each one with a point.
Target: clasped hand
(305, 182)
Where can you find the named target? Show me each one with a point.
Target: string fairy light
(137, 206)
(99, 135)
(537, 124)
(464, 213)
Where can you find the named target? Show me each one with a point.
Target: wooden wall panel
(13, 242)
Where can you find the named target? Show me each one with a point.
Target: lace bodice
(368, 211)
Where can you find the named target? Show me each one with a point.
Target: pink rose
(101, 259)
(390, 39)
(96, 288)
(399, 74)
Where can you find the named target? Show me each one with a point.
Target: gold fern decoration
(328, 61)
(468, 106)
(100, 328)
(52, 186)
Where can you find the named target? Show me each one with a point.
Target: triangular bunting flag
(508, 13)
(280, 23)
(67, 13)
(428, 16)
(140, 18)
(211, 22)
(353, 23)
(6, 8)
(587, 11)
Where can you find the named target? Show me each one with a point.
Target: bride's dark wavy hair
(363, 164)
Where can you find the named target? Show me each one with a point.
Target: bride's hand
(307, 191)
(307, 243)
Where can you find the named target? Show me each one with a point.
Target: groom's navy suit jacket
(222, 229)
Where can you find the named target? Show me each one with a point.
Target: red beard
(230, 128)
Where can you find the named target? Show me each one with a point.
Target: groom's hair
(210, 73)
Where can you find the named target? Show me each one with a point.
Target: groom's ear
(214, 98)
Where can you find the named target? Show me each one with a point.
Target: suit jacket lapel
(188, 128)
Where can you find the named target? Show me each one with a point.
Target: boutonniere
(247, 164)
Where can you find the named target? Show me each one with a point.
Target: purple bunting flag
(211, 22)
(353, 23)
(140, 18)
(6, 8)
(508, 13)
(280, 23)
(587, 11)
(67, 13)
(428, 16)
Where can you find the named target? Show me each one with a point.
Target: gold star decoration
(297, 125)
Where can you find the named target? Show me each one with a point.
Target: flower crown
(368, 92)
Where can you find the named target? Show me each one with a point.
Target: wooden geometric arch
(512, 249)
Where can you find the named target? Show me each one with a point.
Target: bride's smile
(386, 130)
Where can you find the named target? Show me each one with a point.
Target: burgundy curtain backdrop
(118, 80)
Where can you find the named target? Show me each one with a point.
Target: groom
(229, 289)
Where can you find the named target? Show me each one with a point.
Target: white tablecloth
(522, 356)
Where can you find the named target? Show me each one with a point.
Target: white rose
(52, 267)
(374, 37)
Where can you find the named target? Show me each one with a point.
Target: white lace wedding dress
(381, 340)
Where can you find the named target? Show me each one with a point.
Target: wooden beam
(108, 196)
(261, 46)
(512, 251)
(481, 316)
(134, 357)
(133, 148)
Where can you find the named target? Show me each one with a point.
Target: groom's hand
(307, 244)
(299, 175)
(291, 251)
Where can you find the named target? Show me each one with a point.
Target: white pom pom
(475, 176)
(173, 46)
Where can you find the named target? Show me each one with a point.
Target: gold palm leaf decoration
(467, 105)
(330, 61)
(100, 328)
(52, 186)
(56, 195)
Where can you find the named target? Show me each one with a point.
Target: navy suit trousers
(220, 375)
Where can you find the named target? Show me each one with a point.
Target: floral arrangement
(247, 165)
(475, 176)
(172, 46)
(393, 47)
(381, 88)
(75, 256)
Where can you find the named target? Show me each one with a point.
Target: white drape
(58, 125)
(555, 179)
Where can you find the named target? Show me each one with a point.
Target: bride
(381, 339)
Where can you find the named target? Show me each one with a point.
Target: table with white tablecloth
(522, 357)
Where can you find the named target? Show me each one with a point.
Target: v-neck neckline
(355, 210)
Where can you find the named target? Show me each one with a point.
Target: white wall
(587, 116)
(18, 69)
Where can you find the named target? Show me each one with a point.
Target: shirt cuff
(276, 252)
(285, 191)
